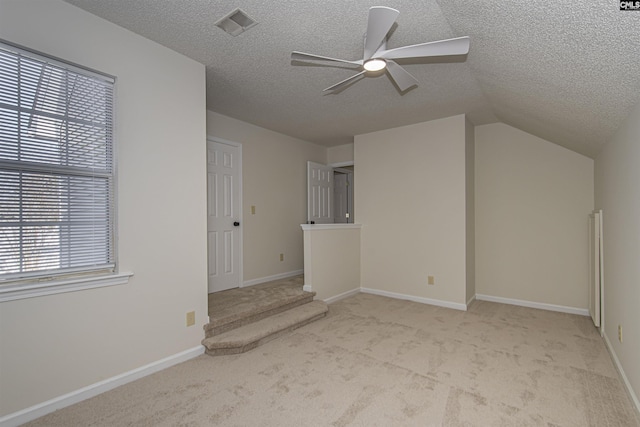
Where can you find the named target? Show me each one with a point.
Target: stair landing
(243, 318)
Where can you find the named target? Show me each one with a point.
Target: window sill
(22, 291)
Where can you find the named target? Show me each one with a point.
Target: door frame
(350, 196)
(338, 165)
(240, 211)
(596, 269)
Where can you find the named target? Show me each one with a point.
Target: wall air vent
(236, 22)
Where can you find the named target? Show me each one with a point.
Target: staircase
(242, 319)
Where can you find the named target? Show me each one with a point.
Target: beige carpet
(376, 361)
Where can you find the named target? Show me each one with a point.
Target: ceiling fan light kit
(376, 56)
(375, 65)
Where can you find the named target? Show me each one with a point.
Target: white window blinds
(56, 167)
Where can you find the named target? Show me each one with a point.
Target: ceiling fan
(377, 59)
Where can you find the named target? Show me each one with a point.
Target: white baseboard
(616, 361)
(531, 304)
(272, 278)
(41, 409)
(307, 288)
(342, 295)
(439, 303)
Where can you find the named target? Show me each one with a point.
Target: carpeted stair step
(250, 336)
(256, 312)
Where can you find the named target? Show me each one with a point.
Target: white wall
(332, 260)
(618, 195)
(410, 198)
(533, 199)
(274, 179)
(57, 344)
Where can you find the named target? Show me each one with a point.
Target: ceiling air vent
(236, 22)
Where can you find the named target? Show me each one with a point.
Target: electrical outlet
(253, 210)
(620, 333)
(281, 257)
(191, 318)
(431, 280)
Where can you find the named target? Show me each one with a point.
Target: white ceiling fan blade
(403, 79)
(345, 82)
(301, 56)
(457, 46)
(381, 19)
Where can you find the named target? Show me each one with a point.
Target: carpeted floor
(376, 361)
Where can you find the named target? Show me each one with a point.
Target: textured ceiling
(564, 71)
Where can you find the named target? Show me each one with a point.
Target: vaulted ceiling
(564, 71)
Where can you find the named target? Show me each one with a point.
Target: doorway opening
(330, 194)
(343, 195)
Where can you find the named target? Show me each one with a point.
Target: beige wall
(274, 179)
(57, 344)
(618, 195)
(410, 198)
(340, 154)
(533, 199)
(332, 260)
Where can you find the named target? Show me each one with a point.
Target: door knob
(236, 224)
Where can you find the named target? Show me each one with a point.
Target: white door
(223, 215)
(595, 264)
(319, 193)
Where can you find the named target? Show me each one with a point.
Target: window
(56, 169)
